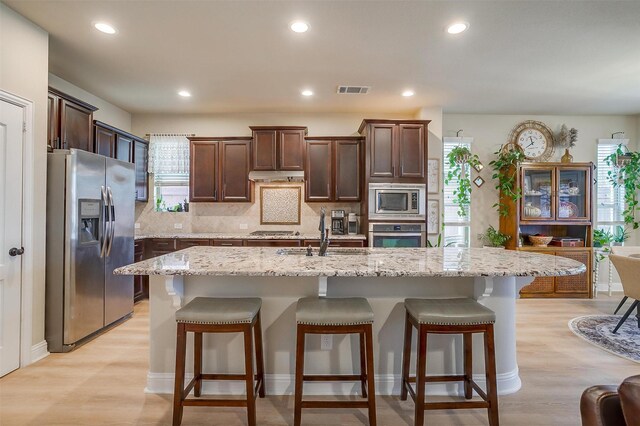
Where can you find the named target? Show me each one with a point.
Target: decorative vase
(566, 158)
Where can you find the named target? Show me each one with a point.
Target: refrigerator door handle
(112, 218)
(105, 214)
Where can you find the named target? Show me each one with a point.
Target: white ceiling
(520, 57)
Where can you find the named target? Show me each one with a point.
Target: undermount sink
(330, 251)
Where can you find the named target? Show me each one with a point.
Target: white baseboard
(39, 351)
(604, 287)
(283, 384)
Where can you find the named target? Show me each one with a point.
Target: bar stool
(336, 316)
(218, 315)
(449, 316)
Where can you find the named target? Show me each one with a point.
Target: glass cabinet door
(573, 194)
(538, 201)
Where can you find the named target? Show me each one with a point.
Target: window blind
(609, 200)
(457, 229)
(171, 179)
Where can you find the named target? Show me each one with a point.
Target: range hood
(276, 176)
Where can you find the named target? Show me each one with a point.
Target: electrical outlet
(244, 226)
(177, 225)
(326, 342)
(136, 225)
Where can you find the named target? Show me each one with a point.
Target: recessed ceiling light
(184, 94)
(408, 93)
(104, 27)
(457, 27)
(307, 93)
(299, 27)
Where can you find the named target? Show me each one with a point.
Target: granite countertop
(237, 236)
(359, 262)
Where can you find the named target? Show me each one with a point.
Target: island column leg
(499, 294)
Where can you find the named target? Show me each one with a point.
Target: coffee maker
(337, 222)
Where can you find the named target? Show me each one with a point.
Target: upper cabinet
(219, 169)
(115, 143)
(333, 169)
(70, 122)
(278, 148)
(396, 150)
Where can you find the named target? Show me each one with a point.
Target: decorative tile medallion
(280, 205)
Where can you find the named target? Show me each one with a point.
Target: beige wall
(107, 112)
(24, 60)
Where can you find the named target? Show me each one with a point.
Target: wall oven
(397, 201)
(397, 235)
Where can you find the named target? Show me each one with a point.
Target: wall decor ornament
(433, 216)
(433, 176)
(535, 139)
(478, 181)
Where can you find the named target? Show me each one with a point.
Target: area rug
(597, 330)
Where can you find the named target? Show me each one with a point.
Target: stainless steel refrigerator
(90, 226)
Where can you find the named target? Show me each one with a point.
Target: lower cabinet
(272, 243)
(140, 282)
(335, 243)
(573, 286)
(191, 242)
(226, 243)
(159, 246)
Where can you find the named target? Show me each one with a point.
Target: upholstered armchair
(629, 270)
(611, 406)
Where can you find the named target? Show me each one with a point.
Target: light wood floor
(103, 381)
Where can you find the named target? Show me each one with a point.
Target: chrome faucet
(324, 234)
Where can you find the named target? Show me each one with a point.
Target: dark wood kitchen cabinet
(396, 149)
(278, 148)
(272, 243)
(219, 170)
(140, 282)
(159, 246)
(124, 147)
(104, 140)
(333, 169)
(70, 122)
(183, 243)
(141, 161)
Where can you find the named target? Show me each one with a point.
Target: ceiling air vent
(353, 90)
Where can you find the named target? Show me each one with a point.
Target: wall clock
(535, 139)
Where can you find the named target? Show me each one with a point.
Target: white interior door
(11, 141)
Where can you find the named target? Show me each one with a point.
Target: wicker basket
(539, 241)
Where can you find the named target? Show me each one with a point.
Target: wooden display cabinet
(556, 201)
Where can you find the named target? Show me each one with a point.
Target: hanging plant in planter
(505, 168)
(626, 173)
(459, 158)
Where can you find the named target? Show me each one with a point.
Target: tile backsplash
(231, 217)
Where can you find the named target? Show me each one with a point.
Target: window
(169, 163)
(609, 200)
(457, 229)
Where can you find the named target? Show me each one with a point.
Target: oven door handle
(396, 234)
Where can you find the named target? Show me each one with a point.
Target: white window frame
(449, 208)
(603, 184)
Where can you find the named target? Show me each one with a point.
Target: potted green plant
(626, 174)
(602, 238)
(505, 168)
(493, 238)
(459, 158)
(620, 236)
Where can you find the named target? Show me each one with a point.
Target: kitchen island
(384, 276)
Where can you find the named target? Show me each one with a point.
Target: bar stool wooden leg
(467, 344)
(248, 366)
(421, 373)
(490, 371)
(181, 349)
(257, 332)
(297, 418)
(197, 363)
(370, 374)
(406, 358)
(363, 365)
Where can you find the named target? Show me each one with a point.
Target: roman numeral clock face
(533, 143)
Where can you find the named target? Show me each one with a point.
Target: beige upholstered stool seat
(334, 311)
(219, 310)
(458, 311)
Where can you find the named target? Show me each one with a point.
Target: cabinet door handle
(393, 170)
(226, 244)
(215, 194)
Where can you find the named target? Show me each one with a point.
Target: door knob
(16, 251)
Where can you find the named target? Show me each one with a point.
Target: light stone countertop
(237, 236)
(359, 262)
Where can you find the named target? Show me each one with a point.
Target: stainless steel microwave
(405, 201)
